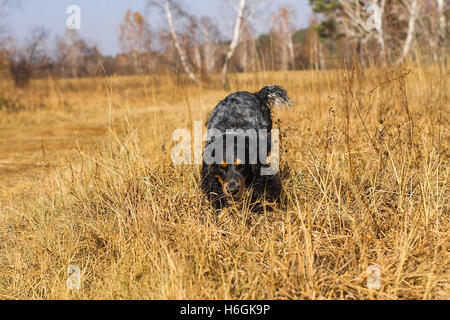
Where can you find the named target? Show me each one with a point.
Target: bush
(21, 72)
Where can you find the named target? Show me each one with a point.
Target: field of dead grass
(86, 179)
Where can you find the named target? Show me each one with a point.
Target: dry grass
(86, 179)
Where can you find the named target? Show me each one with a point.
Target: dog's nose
(232, 187)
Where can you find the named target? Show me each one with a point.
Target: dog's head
(232, 168)
(233, 177)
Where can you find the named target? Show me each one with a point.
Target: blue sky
(100, 19)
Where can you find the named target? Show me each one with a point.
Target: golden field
(86, 179)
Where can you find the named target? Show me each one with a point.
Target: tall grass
(87, 180)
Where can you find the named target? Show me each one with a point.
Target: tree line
(374, 31)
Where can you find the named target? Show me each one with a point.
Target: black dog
(224, 180)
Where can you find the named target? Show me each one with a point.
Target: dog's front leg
(265, 188)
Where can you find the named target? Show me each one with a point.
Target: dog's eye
(238, 163)
(222, 167)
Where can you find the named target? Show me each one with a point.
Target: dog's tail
(274, 96)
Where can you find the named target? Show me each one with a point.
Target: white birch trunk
(208, 51)
(413, 11)
(236, 37)
(442, 21)
(197, 55)
(290, 45)
(380, 32)
(181, 53)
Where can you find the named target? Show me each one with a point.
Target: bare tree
(191, 40)
(75, 57)
(245, 10)
(131, 31)
(245, 56)
(23, 61)
(312, 45)
(282, 29)
(442, 28)
(442, 20)
(135, 36)
(236, 37)
(211, 35)
(413, 8)
(168, 6)
(379, 14)
(363, 21)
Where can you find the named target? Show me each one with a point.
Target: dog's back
(245, 110)
(240, 110)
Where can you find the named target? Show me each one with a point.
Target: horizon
(105, 32)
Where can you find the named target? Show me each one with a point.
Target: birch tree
(210, 38)
(134, 36)
(359, 20)
(378, 14)
(442, 20)
(245, 10)
(363, 20)
(236, 38)
(74, 56)
(168, 6)
(442, 42)
(196, 42)
(245, 55)
(282, 29)
(412, 7)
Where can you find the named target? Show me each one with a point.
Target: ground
(86, 179)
